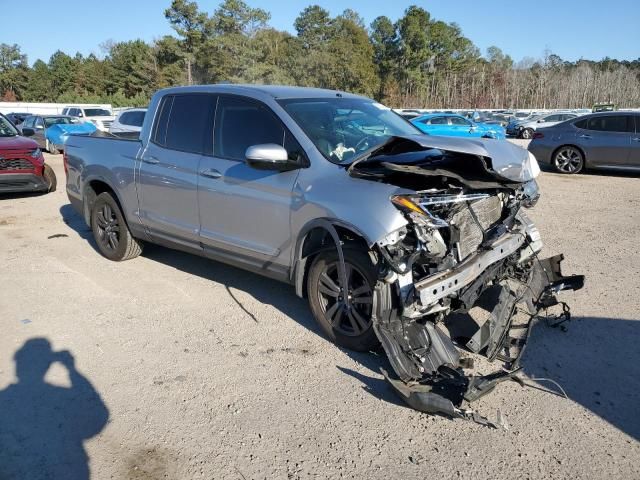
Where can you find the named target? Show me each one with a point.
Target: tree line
(416, 61)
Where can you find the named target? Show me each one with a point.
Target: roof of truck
(276, 91)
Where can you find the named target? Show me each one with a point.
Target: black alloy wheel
(348, 310)
(108, 228)
(344, 311)
(111, 231)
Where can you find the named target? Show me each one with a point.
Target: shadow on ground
(43, 426)
(77, 223)
(596, 361)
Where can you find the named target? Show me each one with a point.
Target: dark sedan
(608, 140)
(17, 117)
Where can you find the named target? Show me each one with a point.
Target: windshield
(56, 120)
(96, 112)
(342, 128)
(6, 129)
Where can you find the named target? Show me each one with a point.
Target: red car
(22, 167)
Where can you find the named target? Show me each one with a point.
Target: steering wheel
(364, 142)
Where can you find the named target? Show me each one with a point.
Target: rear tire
(110, 230)
(568, 160)
(348, 326)
(50, 177)
(527, 134)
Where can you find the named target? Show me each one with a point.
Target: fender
(300, 262)
(86, 212)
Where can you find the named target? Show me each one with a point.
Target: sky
(572, 29)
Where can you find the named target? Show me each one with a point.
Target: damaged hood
(504, 159)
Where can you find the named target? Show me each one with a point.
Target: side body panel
(168, 194)
(108, 160)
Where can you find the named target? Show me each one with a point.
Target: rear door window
(241, 123)
(459, 121)
(611, 123)
(185, 123)
(438, 121)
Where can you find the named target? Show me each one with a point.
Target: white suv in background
(129, 120)
(101, 117)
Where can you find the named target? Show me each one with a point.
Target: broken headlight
(411, 204)
(531, 193)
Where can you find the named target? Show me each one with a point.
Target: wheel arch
(316, 237)
(92, 188)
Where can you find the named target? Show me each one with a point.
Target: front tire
(110, 230)
(52, 148)
(344, 314)
(50, 177)
(568, 160)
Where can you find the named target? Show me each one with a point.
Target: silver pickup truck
(416, 242)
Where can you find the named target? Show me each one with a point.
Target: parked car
(389, 232)
(519, 115)
(600, 140)
(17, 117)
(51, 131)
(603, 107)
(128, 121)
(22, 166)
(456, 126)
(491, 118)
(525, 129)
(99, 116)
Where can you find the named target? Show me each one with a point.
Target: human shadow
(597, 362)
(43, 426)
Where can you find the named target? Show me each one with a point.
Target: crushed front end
(463, 276)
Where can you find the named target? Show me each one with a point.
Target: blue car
(452, 125)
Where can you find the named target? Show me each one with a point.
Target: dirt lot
(186, 368)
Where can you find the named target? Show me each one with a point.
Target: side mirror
(80, 114)
(269, 156)
(28, 132)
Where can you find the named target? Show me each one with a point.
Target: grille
(488, 212)
(107, 123)
(16, 164)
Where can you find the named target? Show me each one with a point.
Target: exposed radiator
(488, 211)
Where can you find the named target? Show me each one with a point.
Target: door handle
(151, 160)
(585, 136)
(210, 173)
(636, 139)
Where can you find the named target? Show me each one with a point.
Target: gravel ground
(186, 368)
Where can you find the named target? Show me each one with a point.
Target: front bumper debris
(495, 323)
